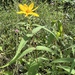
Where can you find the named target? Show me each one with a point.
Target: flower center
(27, 11)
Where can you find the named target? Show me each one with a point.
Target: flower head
(16, 31)
(27, 10)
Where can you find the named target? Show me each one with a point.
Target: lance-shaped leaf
(21, 45)
(35, 30)
(26, 52)
(33, 69)
(63, 60)
(66, 68)
(43, 48)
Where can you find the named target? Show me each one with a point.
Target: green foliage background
(44, 46)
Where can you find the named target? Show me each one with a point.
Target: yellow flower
(27, 10)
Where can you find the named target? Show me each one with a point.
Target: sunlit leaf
(60, 28)
(22, 23)
(58, 34)
(72, 66)
(7, 73)
(35, 30)
(29, 35)
(66, 68)
(41, 59)
(26, 52)
(50, 32)
(43, 48)
(21, 45)
(63, 60)
(73, 49)
(1, 48)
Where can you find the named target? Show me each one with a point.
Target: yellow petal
(21, 7)
(26, 6)
(34, 14)
(21, 12)
(31, 6)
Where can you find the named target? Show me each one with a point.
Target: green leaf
(73, 50)
(22, 23)
(63, 60)
(51, 39)
(21, 45)
(72, 66)
(35, 30)
(66, 68)
(1, 48)
(50, 32)
(41, 59)
(42, 27)
(38, 74)
(58, 34)
(60, 28)
(33, 68)
(26, 52)
(36, 25)
(35, 65)
(29, 35)
(7, 73)
(43, 48)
